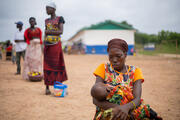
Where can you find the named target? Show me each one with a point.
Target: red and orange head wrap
(118, 43)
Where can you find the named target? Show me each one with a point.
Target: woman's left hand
(120, 112)
(46, 32)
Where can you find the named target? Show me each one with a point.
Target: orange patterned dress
(123, 87)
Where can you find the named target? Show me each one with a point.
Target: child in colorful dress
(120, 95)
(117, 73)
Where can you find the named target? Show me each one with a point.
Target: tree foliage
(161, 38)
(126, 23)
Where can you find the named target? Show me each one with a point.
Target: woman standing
(54, 66)
(33, 56)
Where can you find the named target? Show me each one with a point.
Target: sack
(60, 90)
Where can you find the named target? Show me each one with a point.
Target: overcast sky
(149, 16)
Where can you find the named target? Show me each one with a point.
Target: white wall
(77, 37)
(101, 37)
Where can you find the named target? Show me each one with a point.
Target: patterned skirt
(54, 66)
(33, 58)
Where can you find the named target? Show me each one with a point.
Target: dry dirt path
(24, 100)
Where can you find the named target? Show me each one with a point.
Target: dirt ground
(24, 100)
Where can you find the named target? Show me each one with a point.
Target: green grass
(146, 52)
(163, 48)
(168, 48)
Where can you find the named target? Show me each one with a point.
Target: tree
(126, 23)
(168, 37)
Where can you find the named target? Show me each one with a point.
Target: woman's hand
(120, 112)
(52, 32)
(47, 32)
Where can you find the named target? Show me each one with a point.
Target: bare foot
(48, 92)
(17, 73)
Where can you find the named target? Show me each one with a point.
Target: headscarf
(118, 43)
(51, 4)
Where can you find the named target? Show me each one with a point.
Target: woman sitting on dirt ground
(117, 73)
